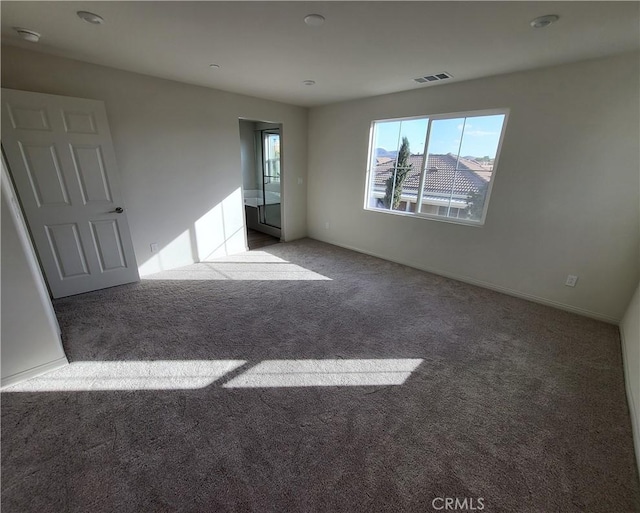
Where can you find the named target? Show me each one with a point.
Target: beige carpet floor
(307, 378)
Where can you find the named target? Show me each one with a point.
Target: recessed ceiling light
(544, 21)
(309, 82)
(314, 20)
(27, 35)
(90, 17)
(214, 66)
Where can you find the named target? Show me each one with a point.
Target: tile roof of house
(441, 173)
(381, 161)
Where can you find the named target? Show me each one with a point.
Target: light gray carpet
(342, 383)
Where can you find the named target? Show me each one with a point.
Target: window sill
(430, 217)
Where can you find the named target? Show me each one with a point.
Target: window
(271, 156)
(439, 167)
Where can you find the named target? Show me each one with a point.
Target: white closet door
(61, 157)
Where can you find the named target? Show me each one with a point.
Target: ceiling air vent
(433, 78)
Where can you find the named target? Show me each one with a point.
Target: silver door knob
(118, 210)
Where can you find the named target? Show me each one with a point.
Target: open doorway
(261, 146)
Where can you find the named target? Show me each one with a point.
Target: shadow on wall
(219, 232)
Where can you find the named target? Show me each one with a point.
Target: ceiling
(363, 49)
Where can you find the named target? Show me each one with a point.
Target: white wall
(30, 333)
(248, 154)
(178, 149)
(630, 331)
(565, 199)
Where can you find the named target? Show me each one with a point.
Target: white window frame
(433, 117)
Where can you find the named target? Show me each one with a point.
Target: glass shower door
(271, 177)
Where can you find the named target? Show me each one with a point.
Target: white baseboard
(33, 372)
(483, 284)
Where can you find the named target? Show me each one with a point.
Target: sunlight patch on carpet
(254, 265)
(129, 375)
(326, 373)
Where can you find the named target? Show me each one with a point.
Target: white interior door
(61, 157)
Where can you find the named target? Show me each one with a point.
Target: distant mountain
(381, 152)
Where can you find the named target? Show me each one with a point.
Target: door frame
(11, 196)
(276, 232)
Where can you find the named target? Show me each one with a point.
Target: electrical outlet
(571, 281)
(326, 225)
(300, 180)
(154, 247)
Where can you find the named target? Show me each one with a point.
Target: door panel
(43, 168)
(108, 243)
(79, 122)
(65, 244)
(89, 166)
(26, 118)
(61, 157)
